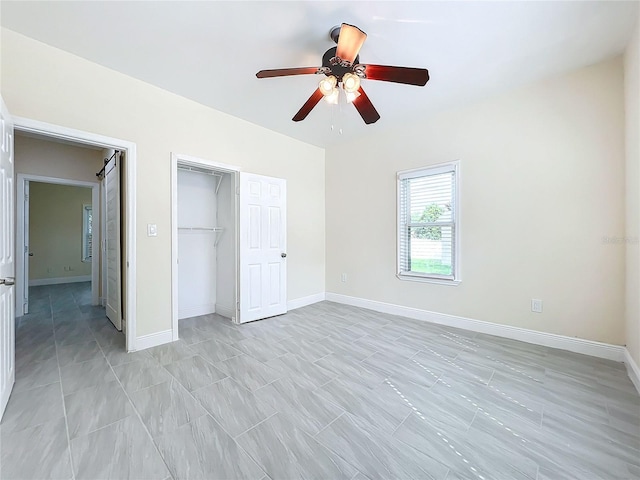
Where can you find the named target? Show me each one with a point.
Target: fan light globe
(350, 82)
(351, 96)
(332, 98)
(327, 85)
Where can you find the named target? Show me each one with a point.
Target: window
(428, 224)
(87, 240)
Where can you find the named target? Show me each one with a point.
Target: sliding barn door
(7, 260)
(263, 247)
(112, 242)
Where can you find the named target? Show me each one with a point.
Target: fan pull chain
(332, 117)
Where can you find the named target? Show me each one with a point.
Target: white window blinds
(87, 234)
(427, 222)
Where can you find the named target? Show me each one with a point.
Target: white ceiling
(210, 51)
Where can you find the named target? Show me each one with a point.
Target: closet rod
(208, 229)
(106, 162)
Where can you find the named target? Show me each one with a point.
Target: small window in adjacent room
(87, 240)
(428, 233)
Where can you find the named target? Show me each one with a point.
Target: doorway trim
(78, 136)
(180, 159)
(21, 272)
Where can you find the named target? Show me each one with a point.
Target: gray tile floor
(327, 392)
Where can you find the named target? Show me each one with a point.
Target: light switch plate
(536, 305)
(152, 230)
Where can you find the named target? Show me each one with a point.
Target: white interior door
(113, 303)
(26, 251)
(7, 261)
(263, 247)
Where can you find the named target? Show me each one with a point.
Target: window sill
(437, 281)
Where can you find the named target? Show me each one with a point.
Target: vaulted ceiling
(210, 51)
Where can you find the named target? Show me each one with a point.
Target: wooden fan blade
(365, 108)
(308, 106)
(350, 41)
(406, 75)
(283, 72)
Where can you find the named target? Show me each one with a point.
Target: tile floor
(326, 392)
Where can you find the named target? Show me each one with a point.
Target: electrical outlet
(536, 305)
(152, 230)
(343, 278)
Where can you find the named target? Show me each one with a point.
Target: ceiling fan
(340, 64)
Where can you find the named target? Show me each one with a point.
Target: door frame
(180, 159)
(78, 136)
(21, 272)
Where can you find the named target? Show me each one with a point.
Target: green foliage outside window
(431, 213)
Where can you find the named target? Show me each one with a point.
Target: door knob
(7, 281)
(283, 255)
(31, 254)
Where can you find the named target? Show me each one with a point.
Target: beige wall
(541, 185)
(35, 156)
(632, 110)
(50, 85)
(55, 230)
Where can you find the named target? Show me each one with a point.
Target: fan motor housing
(337, 69)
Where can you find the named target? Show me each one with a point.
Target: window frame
(86, 207)
(430, 170)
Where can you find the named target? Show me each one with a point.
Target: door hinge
(26, 248)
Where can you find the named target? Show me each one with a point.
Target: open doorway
(55, 234)
(93, 246)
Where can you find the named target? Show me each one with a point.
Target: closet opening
(204, 224)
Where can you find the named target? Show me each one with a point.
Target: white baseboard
(225, 311)
(633, 370)
(59, 280)
(577, 345)
(154, 339)
(304, 301)
(196, 311)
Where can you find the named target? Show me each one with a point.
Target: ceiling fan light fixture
(332, 98)
(351, 96)
(350, 82)
(327, 85)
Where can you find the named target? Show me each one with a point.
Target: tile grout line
(64, 405)
(135, 410)
(401, 423)
(473, 419)
(248, 429)
(491, 377)
(235, 441)
(328, 424)
(198, 402)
